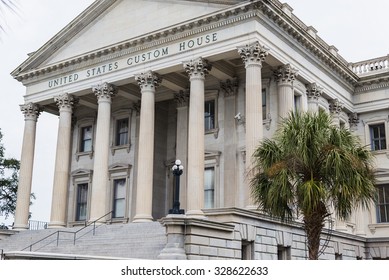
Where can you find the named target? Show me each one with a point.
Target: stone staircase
(120, 241)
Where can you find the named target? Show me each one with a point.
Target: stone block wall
(238, 234)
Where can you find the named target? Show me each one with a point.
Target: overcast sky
(357, 28)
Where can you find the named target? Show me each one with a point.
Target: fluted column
(104, 94)
(335, 109)
(285, 75)
(252, 55)
(31, 112)
(197, 69)
(65, 103)
(148, 82)
(314, 92)
(230, 90)
(182, 101)
(136, 109)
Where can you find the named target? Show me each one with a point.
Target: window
(264, 104)
(377, 137)
(297, 103)
(86, 139)
(82, 202)
(209, 115)
(121, 132)
(119, 198)
(209, 187)
(247, 250)
(383, 204)
(283, 252)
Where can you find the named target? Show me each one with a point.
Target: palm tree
(308, 168)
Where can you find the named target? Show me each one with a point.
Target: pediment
(109, 22)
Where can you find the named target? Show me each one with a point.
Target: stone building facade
(138, 84)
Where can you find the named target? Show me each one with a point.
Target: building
(204, 89)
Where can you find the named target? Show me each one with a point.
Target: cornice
(293, 26)
(372, 85)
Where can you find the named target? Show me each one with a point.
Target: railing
(58, 232)
(36, 225)
(371, 65)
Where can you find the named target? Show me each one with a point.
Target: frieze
(133, 60)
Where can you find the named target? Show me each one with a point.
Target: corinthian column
(104, 94)
(65, 104)
(148, 82)
(285, 75)
(31, 112)
(313, 93)
(197, 69)
(252, 55)
(335, 109)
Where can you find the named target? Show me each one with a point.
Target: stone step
(144, 240)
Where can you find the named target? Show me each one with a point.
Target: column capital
(314, 91)
(353, 119)
(136, 106)
(230, 87)
(31, 110)
(65, 101)
(253, 53)
(197, 68)
(335, 106)
(148, 80)
(105, 91)
(182, 98)
(285, 74)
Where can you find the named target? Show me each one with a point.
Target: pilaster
(353, 121)
(182, 102)
(230, 90)
(335, 108)
(314, 92)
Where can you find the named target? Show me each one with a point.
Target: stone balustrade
(371, 65)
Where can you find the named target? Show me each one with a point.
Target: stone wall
(233, 233)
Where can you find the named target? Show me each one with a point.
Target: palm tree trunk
(313, 225)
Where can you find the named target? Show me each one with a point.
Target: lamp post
(177, 169)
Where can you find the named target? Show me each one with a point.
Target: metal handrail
(72, 232)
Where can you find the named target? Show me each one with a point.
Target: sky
(358, 29)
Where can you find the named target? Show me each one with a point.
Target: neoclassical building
(138, 84)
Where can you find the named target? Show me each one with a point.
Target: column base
(142, 218)
(20, 227)
(195, 214)
(56, 225)
(174, 250)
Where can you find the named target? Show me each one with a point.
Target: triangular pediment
(109, 22)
